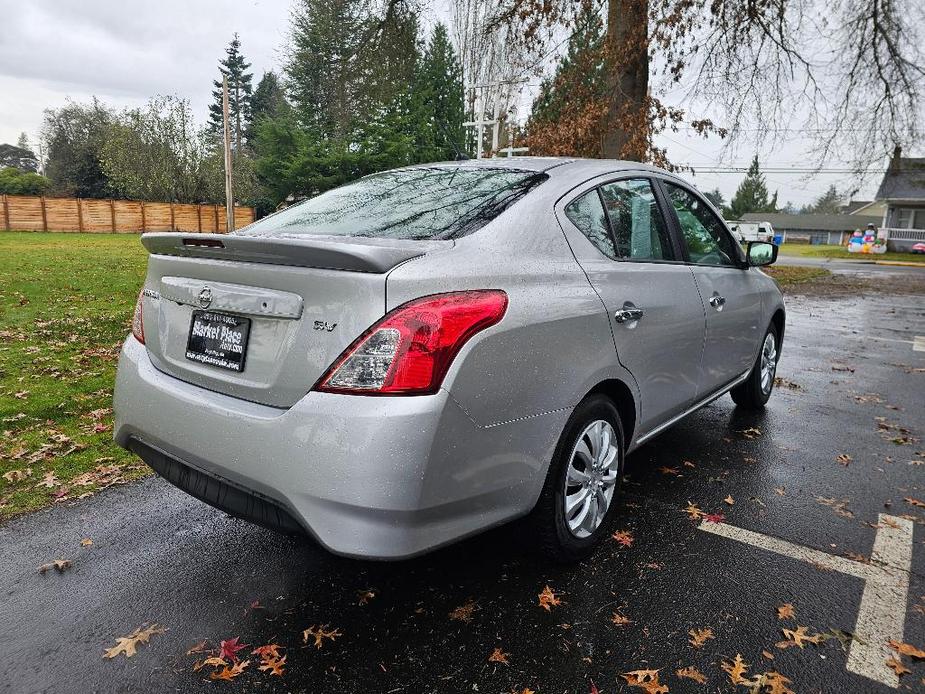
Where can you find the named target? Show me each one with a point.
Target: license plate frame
(218, 339)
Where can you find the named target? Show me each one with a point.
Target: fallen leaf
(914, 502)
(799, 637)
(693, 511)
(714, 518)
(780, 491)
(844, 459)
(320, 633)
(127, 644)
(624, 537)
(364, 596)
(896, 665)
(198, 647)
(751, 432)
(620, 620)
(274, 666)
(786, 611)
(775, 683)
(729, 500)
(736, 670)
(498, 656)
(692, 673)
(86, 542)
(59, 565)
(700, 636)
(647, 680)
(665, 470)
(268, 652)
(49, 480)
(229, 673)
(548, 599)
(768, 655)
(907, 649)
(213, 661)
(463, 613)
(229, 648)
(17, 475)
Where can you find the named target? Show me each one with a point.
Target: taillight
(410, 350)
(138, 326)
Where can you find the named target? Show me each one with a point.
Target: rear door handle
(717, 301)
(625, 315)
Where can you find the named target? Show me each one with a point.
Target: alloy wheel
(591, 478)
(768, 363)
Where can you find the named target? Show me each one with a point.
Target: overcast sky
(128, 50)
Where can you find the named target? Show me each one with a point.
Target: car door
(731, 293)
(619, 235)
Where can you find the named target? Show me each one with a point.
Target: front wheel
(755, 391)
(572, 514)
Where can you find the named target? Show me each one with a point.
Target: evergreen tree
(716, 197)
(752, 194)
(323, 77)
(439, 91)
(829, 202)
(235, 69)
(268, 99)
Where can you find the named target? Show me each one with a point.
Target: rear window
(421, 203)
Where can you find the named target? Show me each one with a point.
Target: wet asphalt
(160, 556)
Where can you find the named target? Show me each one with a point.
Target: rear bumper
(368, 477)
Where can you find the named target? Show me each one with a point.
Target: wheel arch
(622, 396)
(778, 320)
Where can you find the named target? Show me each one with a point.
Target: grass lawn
(808, 251)
(789, 275)
(66, 304)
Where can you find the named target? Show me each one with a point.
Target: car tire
(754, 392)
(550, 517)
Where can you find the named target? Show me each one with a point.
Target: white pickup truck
(751, 231)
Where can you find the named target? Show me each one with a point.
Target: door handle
(717, 301)
(625, 315)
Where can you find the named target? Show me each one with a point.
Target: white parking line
(918, 344)
(882, 612)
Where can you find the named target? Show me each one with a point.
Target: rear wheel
(755, 391)
(577, 502)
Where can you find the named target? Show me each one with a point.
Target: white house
(903, 192)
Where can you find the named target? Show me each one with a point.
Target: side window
(639, 229)
(587, 214)
(706, 238)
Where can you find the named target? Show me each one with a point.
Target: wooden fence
(31, 213)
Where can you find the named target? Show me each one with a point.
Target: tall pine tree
(234, 67)
(752, 194)
(439, 91)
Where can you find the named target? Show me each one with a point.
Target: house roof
(904, 180)
(854, 206)
(812, 222)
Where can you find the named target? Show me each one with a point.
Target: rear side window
(421, 203)
(587, 213)
(639, 229)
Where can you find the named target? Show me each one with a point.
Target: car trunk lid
(301, 302)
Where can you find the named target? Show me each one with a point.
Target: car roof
(553, 166)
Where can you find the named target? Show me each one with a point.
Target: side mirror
(761, 253)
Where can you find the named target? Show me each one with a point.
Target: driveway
(796, 499)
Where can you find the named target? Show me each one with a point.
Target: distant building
(903, 192)
(832, 229)
(868, 208)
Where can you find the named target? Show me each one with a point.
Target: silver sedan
(432, 351)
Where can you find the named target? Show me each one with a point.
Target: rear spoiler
(353, 254)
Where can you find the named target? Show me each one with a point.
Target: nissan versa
(432, 351)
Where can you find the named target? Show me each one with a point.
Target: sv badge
(324, 325)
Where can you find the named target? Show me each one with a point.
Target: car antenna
(460, 155)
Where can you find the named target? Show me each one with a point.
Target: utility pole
(229, 194)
